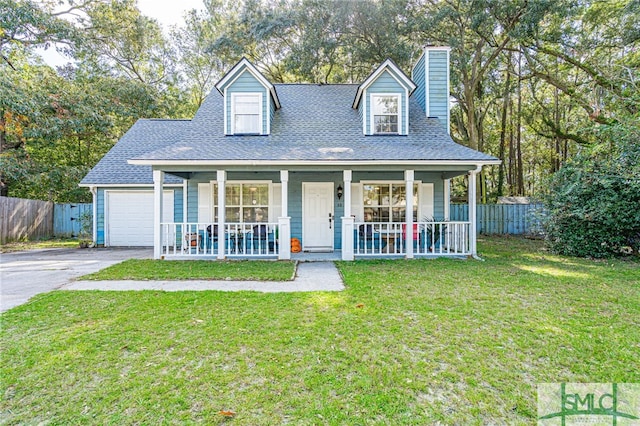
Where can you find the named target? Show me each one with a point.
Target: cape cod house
(361, 170)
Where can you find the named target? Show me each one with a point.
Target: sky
(167, 12)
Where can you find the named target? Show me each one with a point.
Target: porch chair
(260, 240)
(366, 236)
(418, 238)
(210, 240)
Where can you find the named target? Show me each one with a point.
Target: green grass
(408, 342)
(39, 244)
(148, 269)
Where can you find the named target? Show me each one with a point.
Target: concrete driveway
(27, 273)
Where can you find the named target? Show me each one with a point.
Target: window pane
(371, 195)
(386, 123)
(376, 214)
(247, 104)
(255, 214)
(399, 214)
(255, 194)
(263, 194)
(385, 104)
(232, 214)
(232, 196)
(247, 123)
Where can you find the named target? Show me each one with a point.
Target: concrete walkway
(310, 276)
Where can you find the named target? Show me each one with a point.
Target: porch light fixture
(339, 192)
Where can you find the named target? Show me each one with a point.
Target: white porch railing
(429, 239)
(259, 239)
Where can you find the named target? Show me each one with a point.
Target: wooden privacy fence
(22, 219)
(502, 218)
(25, 219)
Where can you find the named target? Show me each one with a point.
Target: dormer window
(385, 113)
(247, 113)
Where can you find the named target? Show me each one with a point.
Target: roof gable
(242, 66)
(393, 70)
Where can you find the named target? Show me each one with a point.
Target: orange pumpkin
(295, 245)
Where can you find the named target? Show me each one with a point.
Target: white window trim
(371, 114)
(387, 182)
(213, 201)
(260, 111)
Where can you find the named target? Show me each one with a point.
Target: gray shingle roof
(144, 136)
(316, 122)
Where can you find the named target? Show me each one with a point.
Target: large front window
(387, 202)
(385, 113)
(246, 113)
(247, 202)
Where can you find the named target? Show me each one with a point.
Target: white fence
(257, 239)
(429, 239)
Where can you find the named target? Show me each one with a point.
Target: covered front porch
(350, 213)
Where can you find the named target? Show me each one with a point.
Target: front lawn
(149, 269)
(408, 342)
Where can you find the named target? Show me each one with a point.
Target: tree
(54, 128)
(118, 40)
(29, 23)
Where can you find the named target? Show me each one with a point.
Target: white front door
(317, 216)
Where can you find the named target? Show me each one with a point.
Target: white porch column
(284, 238)
(472, 211)
(185, 202)
(221, 177)
(409, 178)
(284, 222)
(158, 181)
(347, 219)
(347, 176)
(447, 199)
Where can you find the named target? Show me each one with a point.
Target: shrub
(593, 201)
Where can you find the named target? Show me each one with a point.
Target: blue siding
(417, 76)
(438, 96)
(192, 201)
(100, 219)
(246, 82)
(386, 83)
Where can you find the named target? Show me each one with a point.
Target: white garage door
(129, 217)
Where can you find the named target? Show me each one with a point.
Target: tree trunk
(520, 173)
(503, 130)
